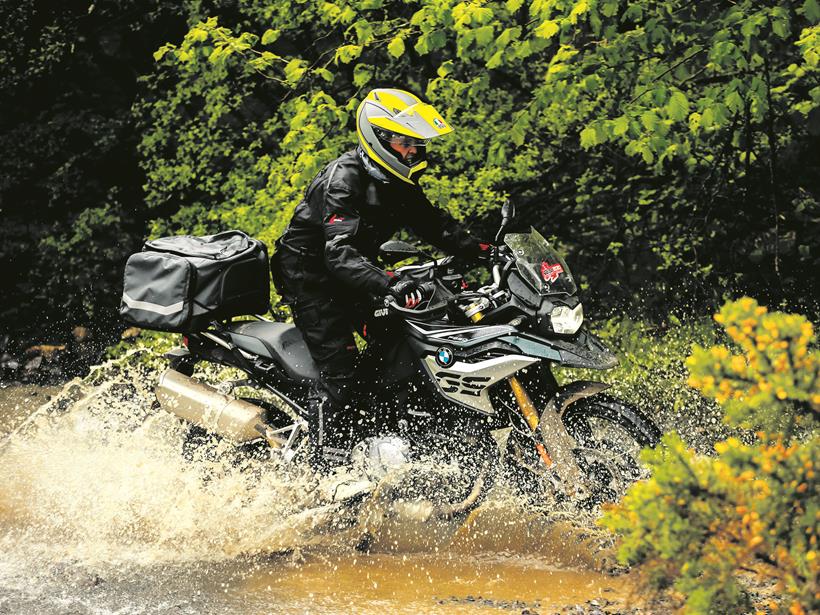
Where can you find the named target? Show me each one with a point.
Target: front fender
(572, 392)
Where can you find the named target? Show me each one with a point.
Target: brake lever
(393, 305)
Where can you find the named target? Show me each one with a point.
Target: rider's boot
(330, 433)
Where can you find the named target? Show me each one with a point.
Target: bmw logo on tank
(444, 356)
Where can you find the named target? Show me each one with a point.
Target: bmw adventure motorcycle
(467, 380)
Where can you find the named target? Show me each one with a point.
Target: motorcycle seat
(279, 341)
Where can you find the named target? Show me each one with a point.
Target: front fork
(530, 414)
(552, 441)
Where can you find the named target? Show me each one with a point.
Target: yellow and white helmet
(389, 114)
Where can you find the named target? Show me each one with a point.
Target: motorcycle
(464, 366)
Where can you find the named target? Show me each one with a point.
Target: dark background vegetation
(571, 109)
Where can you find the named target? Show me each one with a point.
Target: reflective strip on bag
(147, 306)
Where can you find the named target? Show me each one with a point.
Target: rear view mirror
(507, 215)
(507, 212)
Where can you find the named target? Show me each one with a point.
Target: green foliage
(70, 187)
(700, 522)
(639, 125)
(671, 147)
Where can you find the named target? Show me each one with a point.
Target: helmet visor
(401, 140)
(404, 142)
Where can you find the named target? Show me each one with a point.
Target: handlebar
(413, 313)
(500, 264)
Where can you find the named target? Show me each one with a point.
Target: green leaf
(347, 53)
(216, 55)
(396, 47)
(707, 118)
(270, 36)
(547, 29)
(197, 35)
(362, 74)
(589, 137)
(578, 10)
(324, 74)
(609, 8)
(484, 35)
(781, 27)
(160, 53)
(734, 101)
(649, 119)
(620, 126)
(517, 133)
(678, 106)
(364, 31)
(347, 15)
(646, 153)
(431, 41)
(496, 59)
(507, 36)
(294, 70)
(419, 17)
(514, 5)
(445, 69)
(811, 9)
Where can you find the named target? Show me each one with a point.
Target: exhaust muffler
(203, 405)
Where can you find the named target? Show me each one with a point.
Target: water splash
(95, 492)
(99, 478)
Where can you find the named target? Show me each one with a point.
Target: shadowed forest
(672, 149)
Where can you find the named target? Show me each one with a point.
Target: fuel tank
(203, 405)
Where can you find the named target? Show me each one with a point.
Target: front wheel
(609, 434)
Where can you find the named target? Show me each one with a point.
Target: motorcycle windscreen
(539, 264)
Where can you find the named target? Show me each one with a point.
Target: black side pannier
(183, 283)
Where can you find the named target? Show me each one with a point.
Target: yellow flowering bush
(774, 368)
(701, 524)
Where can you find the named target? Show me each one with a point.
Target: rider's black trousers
(328, 332)
(326, 319)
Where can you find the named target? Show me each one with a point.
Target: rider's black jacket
(346, 214)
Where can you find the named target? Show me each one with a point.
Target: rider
(324, 261)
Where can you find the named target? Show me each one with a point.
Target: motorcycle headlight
(567, 320)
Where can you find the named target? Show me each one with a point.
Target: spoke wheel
(610, 434)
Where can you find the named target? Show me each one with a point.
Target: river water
(101, 513)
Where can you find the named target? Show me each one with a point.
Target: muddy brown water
(100, 513)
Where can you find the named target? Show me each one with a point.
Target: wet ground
(100, 513)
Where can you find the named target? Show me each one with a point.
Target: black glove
(409, 293)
